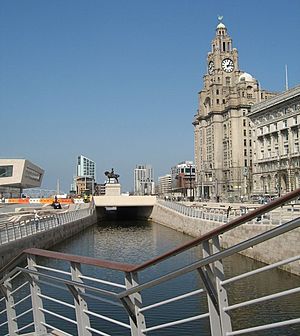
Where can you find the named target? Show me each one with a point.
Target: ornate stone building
(276, 129)
(222, 132)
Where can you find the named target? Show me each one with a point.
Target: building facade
(276, 124)
(18, 174)
(144, 180)
(223, 140)
(165, 185)
(183, 179)
(84, 181)
(86, 167)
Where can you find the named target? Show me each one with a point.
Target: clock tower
(222, 130)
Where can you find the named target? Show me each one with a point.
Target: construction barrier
(37, 200)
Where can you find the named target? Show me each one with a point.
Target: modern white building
(85, 179)
(19, 174)
(165, 185)
(86, 167)
(144, 180)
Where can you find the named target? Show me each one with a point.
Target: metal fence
(32, 302)
(221, 214)
(20, 225)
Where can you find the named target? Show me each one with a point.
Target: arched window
(207, 105)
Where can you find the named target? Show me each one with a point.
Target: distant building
(143, 180)
(222, 130)
(276, 124)
(84, 185)
(100, 189)
(165, 185)
(183, 179)
(84, 181)
(86, 167)
(18, 174)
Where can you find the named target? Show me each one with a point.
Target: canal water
(138, 241)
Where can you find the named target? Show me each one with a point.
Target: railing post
(218, 271)
(208, 278)
(37, 303)
(10, 308)
(7, 233)
(131, 280)
(82, 318)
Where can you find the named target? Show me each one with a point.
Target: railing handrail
(135, 268)
(114, 265)
(215, 257)
(223, 228)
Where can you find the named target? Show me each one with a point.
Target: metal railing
(220, 214)
(93, 286)
(21, 225)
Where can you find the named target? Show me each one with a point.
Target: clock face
(211, 67)
(227, 65)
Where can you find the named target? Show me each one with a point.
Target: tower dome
(221, 25)
(246, 77)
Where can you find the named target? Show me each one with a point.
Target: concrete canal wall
(44, 239)
(271, 251)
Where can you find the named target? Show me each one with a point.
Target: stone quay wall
(269, 252)
(45, 239)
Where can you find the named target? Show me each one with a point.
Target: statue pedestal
(112, 189)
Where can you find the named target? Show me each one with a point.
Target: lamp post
(278, 176)
(190, 178)
(217, 192)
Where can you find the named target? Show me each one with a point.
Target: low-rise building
(183, 179)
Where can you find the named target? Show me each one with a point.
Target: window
(285, 124)
(244, 122)
(250, 143)
(245, 142)
(245, 133)
(6, 171)
(218, 101)
(245, 152)
(217, 91)
(227, 80)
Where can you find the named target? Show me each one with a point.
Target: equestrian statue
(112, 175)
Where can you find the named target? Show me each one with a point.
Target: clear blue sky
(117, 80)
